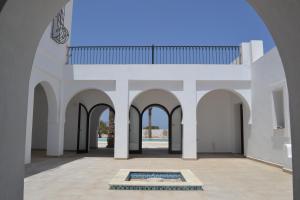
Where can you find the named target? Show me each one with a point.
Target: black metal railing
(154, 55)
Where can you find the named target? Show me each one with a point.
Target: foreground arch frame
(20, 35)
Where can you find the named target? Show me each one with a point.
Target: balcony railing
(154, 55)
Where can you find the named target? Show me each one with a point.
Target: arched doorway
(164, 135)
(156, 132)
(222, 123)
(41, 122)
(85, 128)
(102, 129)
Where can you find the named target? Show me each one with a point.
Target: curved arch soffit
(234, 92)
(140, 93)
(101, 104)
(158, 106)
(72, 96)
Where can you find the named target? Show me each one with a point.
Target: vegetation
(152, 127)
(103, 128)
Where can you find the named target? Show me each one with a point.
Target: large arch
(167, 102)
(222, 122)
(42, 119)
(20, 35)
(95, 102)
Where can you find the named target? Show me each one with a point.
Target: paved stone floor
(86, 177)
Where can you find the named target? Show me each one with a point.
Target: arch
(174, 109)
(169, 94)
(78, 92)
(237, 93)
(283, 14)
(163, 108)
(51, 120)
(163, 99)
(101, 104)
(232, 113)
(52, 100)
(90, 115)
(135, 126)
(156, 105)
(134, 107)
(91, 99)
(177, 131)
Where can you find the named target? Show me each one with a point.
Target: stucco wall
(265, 141)
(50, 56)
(47, 67)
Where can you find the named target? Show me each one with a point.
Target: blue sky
(166, 22)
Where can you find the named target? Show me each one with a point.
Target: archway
(163, 136)
(222, 122)
(101, 128)
(281, 17)
(41, 122)
(83, 119)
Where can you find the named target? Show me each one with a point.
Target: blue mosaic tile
(147, 175)
(116, 187)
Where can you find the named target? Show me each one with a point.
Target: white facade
(210, 97)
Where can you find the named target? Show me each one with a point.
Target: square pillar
(53, 139)
(246, 54)
(257, 49)
(56, 125)
(189, 105)
(121, 120)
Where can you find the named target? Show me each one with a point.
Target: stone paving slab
(87, 177)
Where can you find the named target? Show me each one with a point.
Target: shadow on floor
(41, 162)
(155, 153)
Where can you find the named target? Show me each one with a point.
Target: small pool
(155, 180)
(156, 176)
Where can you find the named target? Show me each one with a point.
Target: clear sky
(166, 22)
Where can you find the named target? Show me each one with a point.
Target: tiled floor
(86, 177)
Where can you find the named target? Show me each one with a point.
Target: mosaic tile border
(177, 188)
(191, 183)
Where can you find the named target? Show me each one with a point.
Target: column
(189, 106)
(121, 120)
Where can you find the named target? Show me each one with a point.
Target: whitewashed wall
(47, 68)
(265, 141)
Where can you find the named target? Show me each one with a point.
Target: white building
(218, 99)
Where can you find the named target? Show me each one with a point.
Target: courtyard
(86, 177)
